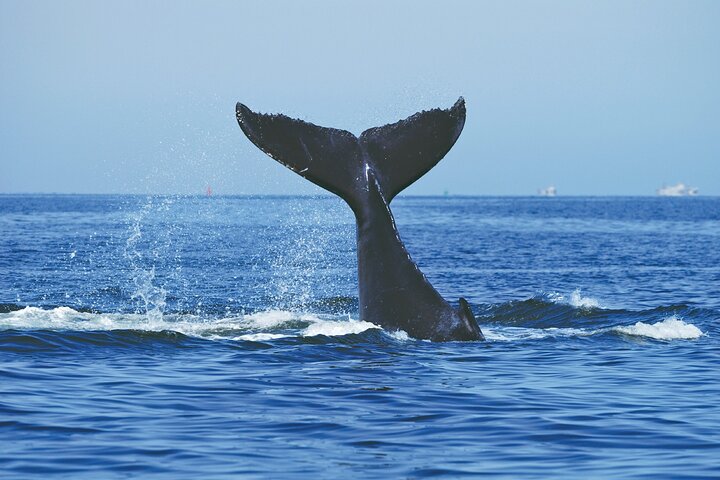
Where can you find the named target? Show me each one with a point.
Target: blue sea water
(218, 337)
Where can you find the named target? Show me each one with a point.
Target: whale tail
(337, 160)
(368, 172)
(470, 326)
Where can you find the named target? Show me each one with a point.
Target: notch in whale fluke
(398, 153)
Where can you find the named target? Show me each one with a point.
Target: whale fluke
(328, 157)
(406, 150)
(368, 172)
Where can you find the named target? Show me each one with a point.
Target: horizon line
(330, 195)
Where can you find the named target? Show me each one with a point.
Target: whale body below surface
(368, 172)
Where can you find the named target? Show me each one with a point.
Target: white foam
(336, 328)
(262, 326)
(273, 318)
(672, 328)
(260, 337)
(66, 318)
(400, 335)
(58, 318)
(575, 299)
(258, 326)
(578, 301)
(513, 334)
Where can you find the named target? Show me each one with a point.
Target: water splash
(400, 335)
(575, 299)
(152, 297)
(304, 256)
(671, 328)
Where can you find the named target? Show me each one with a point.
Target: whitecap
(64, 318)
(332, 328)
(511, 334)
(259, 326)
(260, 337)
(671, 328)
(575, 299)
(400, 335)
(578, 301)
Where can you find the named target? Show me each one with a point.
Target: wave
(551, 310)
(529, 320)
(258, 326)
(671, 328)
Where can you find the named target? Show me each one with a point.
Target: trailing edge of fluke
(368, 172)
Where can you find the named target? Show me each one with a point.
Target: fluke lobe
(367, 172)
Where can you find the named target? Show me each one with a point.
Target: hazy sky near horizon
(596, 98)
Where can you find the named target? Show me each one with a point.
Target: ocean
(186, 337)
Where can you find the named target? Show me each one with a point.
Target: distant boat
(550, 191)
(679, 190)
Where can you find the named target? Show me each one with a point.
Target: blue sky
(597, 98)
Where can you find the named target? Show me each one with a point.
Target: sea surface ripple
(218, 337)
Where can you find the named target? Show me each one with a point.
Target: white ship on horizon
(679, 190)
(550, 191)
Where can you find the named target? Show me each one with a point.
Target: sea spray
(574, 299)
(305, 248)
(142, 268)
